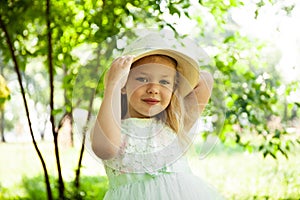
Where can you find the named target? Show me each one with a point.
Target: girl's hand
(119, 71)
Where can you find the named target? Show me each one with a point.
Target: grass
(241, 175)
(21, 174)
(236, 174)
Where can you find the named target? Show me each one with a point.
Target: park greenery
(42, 44)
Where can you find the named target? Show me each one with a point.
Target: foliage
(31, 32)
(246, 89)
(243, 78)
(251, 96)
(4, 92)
(34, 188)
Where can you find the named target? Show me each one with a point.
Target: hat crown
(167, 41)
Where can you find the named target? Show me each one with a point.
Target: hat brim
(188, 68)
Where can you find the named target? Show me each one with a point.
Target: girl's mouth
(151, 101)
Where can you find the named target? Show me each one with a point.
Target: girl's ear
(123, 90)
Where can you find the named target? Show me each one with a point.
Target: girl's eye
(142, 79)
(164, 82)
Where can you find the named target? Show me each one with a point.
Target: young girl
(151, 101)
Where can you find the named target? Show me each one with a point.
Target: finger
(126, 61)
(116, 61)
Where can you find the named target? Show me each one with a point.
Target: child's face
(150, 86)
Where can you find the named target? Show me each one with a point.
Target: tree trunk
(2, 126)
(294, 112)
(77, 171)
(42, 133)
(61, 187)
(285, 110)
(68, 103)
(85, 128)
(2, 118)
(16, 65)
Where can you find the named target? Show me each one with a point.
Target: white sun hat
(188, 55)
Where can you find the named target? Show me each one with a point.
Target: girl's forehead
(156, 59)
(154, 68)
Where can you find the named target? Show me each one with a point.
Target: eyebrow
(163, 75)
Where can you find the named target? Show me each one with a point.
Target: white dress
(151, 166)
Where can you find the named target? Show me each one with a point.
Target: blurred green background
(53, 55)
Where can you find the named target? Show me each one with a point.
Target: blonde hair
(173, 115)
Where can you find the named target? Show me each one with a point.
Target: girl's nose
(152, 88)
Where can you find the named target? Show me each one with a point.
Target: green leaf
(57, 111)
(283, 153)
(186, 13)
(187, 5)
(273, 155)
(173, 10)
(277, 133)
(265, 153)
(230, 38)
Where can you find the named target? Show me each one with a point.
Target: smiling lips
(150, 101)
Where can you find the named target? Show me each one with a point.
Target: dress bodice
(147, 147)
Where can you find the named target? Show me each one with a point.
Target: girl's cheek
(168, 90)
(168, 95)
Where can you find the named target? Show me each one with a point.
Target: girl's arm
(106, 134)
(196, 101)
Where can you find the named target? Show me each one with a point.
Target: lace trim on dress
(148, 146)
